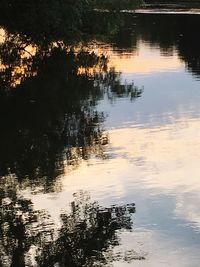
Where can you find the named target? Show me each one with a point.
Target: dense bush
(45, 17)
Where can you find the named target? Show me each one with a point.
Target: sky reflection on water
(150, 158)
(153, 160)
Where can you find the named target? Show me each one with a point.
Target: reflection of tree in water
(178, 35)
(49, 104)
(49, 93)
(87, 233)
(20, 226)
(86, 237)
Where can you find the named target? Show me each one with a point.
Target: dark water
(105, 173)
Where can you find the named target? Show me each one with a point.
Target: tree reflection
(87, 232)
(179, 34)
(42, 130)
(47, 108)
(86, 237)
(49, 122)
(20, 225)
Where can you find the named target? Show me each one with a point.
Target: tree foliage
(46, 18)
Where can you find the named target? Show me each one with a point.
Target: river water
(143, 174)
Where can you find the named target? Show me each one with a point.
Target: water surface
(135, 187)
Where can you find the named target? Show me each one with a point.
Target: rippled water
(134, 201)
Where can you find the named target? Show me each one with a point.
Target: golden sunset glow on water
(2, 35)
(145, 60)
(142, 60)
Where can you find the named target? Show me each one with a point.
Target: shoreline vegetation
(52, 20)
